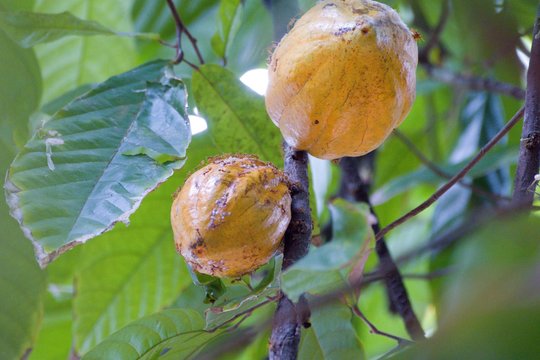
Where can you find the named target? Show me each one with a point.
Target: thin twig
(373, 329)
(529, 150)
(456, 178)
(441, 173)
(180, 30)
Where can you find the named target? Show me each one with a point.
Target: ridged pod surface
(230, 216)
(343, 78)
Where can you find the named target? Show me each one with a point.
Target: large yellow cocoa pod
(343, 78)
(230, 216)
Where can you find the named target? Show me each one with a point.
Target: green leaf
(57, 104)
(252, 40)
(29, 29)
(132, 271)
(73, 180)
(213, 286)
(483, 116)
(170, 334)
(309, 348)
(54, 339)
(237, 118)
(229, 13)
(332, 337)
(321, 269)
(129, 273)
(24, 5)
(77, 60)
(22, 285)
(20, 93)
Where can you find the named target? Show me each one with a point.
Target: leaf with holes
(170, 334)
(97, 158)
(236, 115)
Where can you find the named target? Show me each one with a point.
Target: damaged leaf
(94, 161)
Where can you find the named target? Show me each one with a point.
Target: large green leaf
(236, 115)
(54, 338)
(22, 283)
(309, 348)
(21, 5)
(29, 28)
(73, 61)
(95, 160)
(333, 336)
(322, 268)
(170, 334)
(21, 79)
(132, 271)
(229, 13)
(252, 40)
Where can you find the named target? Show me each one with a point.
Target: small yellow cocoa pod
(230, 216)
(343, 78)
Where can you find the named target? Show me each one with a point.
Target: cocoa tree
(435, 233)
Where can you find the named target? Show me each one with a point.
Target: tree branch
(529, 151)
(180, 30)
(455, 179)
(288, 317)
(355, 188)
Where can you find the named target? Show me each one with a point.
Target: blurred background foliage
(480, 293)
